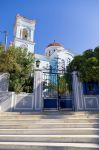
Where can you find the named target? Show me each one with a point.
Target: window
(50, 69)
(68, 60)
(25, 34)
(49, 53)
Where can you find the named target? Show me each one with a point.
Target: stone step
(58, 113)
(47, 146)
(50, 121)
(51, 138)
(63, 131)
(49, 114)
(38, 117)
(49, 118)
(68, 120)
(48, 125)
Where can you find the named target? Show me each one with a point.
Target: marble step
(33, 118)
(40, 114)
(51, 138)
(52, 116)
(49, 114)
(55, 131)
(47, 146)
(48, 125)
(69, 120)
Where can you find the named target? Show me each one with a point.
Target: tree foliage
(61, 86)
(64, 82)
(87, 65)
(1, 47)
(19, 63)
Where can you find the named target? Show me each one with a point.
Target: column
(77, 92)
(38, 78)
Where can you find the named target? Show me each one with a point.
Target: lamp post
(37, 63)
(5, 39)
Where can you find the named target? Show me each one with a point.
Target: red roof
(54, 44)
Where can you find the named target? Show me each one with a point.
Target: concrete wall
(23, 102)
(83, 102)
(5, 101)
(91, 102)
(9, 101)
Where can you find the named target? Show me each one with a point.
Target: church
(51, 89)
(56, 57)
(52, 65)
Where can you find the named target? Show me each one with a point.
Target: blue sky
(73, 23)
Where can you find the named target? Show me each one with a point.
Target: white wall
(9, 101)
(83, 102)
(61, 53)
(28, 45)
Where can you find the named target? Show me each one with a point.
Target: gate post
(38, 89)
(77, 92)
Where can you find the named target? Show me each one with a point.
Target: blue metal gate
(56, 95)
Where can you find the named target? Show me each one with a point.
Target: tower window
(68, 60)
(25, 34)
(49, 53)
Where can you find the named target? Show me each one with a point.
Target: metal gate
(56, 95)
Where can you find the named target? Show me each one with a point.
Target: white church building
(49, 92)
(55, 57)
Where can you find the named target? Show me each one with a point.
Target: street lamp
(5, 39)
(37, 63)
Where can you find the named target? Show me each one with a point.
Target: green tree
(19, 63)
(87, 65)
(88, 53)
(1, 47)
(96, 53)
(62, 84)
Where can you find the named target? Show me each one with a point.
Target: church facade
(50, 91)
(51, 65)
(55, 57)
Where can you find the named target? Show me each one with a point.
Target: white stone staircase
(49, 131)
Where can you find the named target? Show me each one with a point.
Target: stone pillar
(38, 78)
(4, 82)
(77, 92)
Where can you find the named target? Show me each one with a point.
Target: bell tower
(24, 33)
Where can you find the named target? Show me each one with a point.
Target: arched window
(68, 60)
(49, 53)
(25, 34)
